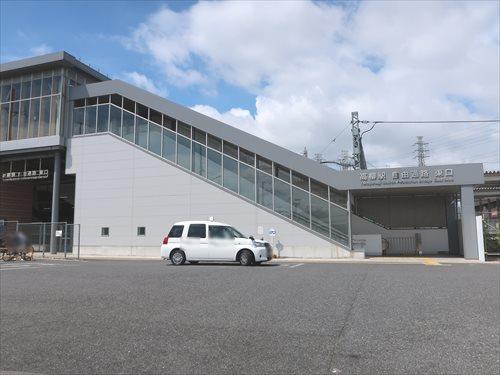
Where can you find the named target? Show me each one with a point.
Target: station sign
(407, 176)
(25, 175)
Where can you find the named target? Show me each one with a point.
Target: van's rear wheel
(246, 258)
(177, 257)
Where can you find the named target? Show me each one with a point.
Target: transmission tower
(305, 153)
(357, 145)
(421, 151)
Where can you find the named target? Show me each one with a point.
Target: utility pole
(305, 153)
(421, 151)
(357, 145)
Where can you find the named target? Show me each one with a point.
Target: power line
(335, 138)
(433, 122)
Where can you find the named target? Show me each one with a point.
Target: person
(21, 243)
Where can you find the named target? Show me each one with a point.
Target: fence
(66, 236)
(401, 245)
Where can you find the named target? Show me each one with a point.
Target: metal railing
(66, 237)
(401, 245)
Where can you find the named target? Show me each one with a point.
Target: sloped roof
(61, 58)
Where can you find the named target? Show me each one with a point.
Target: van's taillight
(165, 240)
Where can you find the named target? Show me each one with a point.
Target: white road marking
(23, 266)
(297, 265)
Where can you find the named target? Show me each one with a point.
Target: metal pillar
(349, 228)
(469, 232)
(54, 217)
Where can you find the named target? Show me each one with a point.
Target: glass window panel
(90, 119)
(16, 91)
(169, 123)
(116, 100)
(338, 197)
(184, 152)
(13, 120)
(198, 160)
(102, 118)
(265, 190)
(36, 88)
(214, 166)
(184, 129)
(319, 216)
(5, 95)
(247, 156)
(155, 116)
(214, 142)
(141, 132)
(44, 117)
(129, 105)
(56, 84)
(103, 99)
(142, 110)
(55, 115)
(282, 198)
(230, 149)
(4, 121)
(24, 119)
(115, 120)
(339, 224)
(25, 90)
(154, 143)
(300, 206)
(79, 103)
(77, 120)
(230, 174)
(320, 189)
(300, 180)
(91, 101)
(46, 86)
(247, 181)
(35, 117)
(282, 172)
(199, 136)
(168, 151)
(264, 164)
(128, 126)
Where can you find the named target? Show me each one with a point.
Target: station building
(125, 164)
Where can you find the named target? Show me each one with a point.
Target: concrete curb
(373, 260)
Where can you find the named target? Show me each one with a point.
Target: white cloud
(41, 49)
(142, 81)
(308, 65)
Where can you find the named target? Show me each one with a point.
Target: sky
(292, 72)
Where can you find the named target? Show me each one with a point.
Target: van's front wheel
(246, 258)
(177, 257)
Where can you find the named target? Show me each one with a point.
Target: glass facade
(31, 105)
(305, 201)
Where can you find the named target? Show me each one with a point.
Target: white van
(195, 241)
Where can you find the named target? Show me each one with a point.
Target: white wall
(122, 187)
(433, 240)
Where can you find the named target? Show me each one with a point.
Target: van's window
(176, 231)
(219, 231)
(225, 232)
(197, 231)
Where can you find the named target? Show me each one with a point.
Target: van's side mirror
(251, 237)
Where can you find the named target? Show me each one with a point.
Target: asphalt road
(150, 317)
